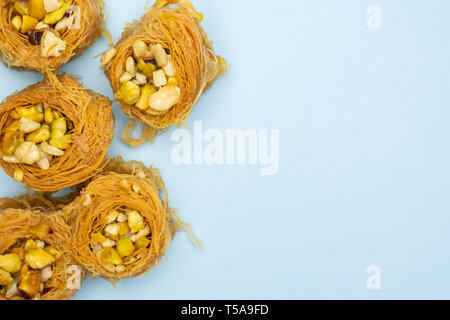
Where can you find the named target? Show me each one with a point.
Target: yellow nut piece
(146, 92)
(124, 228)
(11, 141)
(58, 14)
(13, 127)
(172, 81)
(28, 23)
(38, 258)
(30, 244)
(21, 7)
(59, 127)
(125, 184)
(31, 113)
(53, 251)
(49, 115)
(5, 278)
(10, 262)
(98, 237)
(109, 255)
(29, 281)
(40, 230)
(199, 16)
(142, 243)
(124, 247)
(17, 22)
(61, 143)
(36, 9)
(40, 135)
(146, 68)
(129, 93)
(19, 251)
(18, 175)
(135, 221)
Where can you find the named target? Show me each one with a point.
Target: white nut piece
(12, 289)
(141, 78)
(43, 154)
(160, 54)
(112, 229)
(108, 56)
(165, 98)
(51, 45)
(140, 49)
(120, 269)
(41, 26)
(112, 216)
(108, 243)
(27, 153)
(87, 200)
(130, 66)
(169, 69)
(52, 5)
(46, 273)
(159, 78)
(125, 77)
(63, 24)
(43, 163)
(40, 244)
(11, 159)
(122, 217)
(143, 233)
(51, 150)
(27, 125)
(109, 267)
(136, 188)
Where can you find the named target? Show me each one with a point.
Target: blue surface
(364, 175)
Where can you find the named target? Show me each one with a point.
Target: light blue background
(364, 157)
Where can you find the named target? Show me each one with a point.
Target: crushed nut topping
(126, 233)
(36, 135)
(27, 267)
(44, 22)
(149, 79)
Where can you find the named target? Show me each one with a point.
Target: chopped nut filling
(149, 79)
(44, 22)
(126, 233)
(37, 134)
(27, 267)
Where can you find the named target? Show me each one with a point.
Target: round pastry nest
(16, 51)
(20, 214)
(92, 116)
(176, 26)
